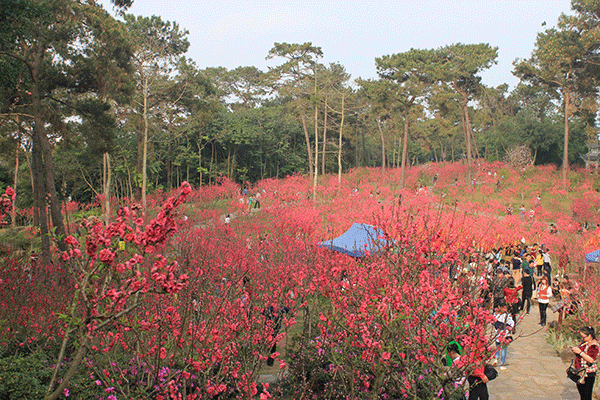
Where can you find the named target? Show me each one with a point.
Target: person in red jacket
(478, 384)
(511, 296)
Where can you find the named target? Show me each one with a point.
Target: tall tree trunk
(229, 162)
(13, 209)
(316, 148)
(45, 154)
(129, 183)
(39, 198)
(442, 150)
(364, 149)
(324, 138)
(340, 143)
(308, 148)
(356, 159)
(212, 161)
(399, 149)
(169, 165)
(200, 162)
(468, 141)
(383, 163)
(404, 152)
(106, 177)
(145, 145)
(565, 166)
(36, 210)
(55, 209)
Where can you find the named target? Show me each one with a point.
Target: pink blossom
(107, 256)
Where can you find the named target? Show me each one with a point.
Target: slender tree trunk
(565, 167)
(308, 148)
(324, 138)
(45, 157)
(364, 149)
(404, 152)
(169, 165)
(145, 145)
(442, 150)
(55, 209)
(356, 159)
(212, 161)
(316, 149)
(39, 198)
(399, 149)
(129, 184)
(382, 146)
(468, 142)
(13, 209)
(340, 143)
(228, 162)
(106, 177)
(200, 163)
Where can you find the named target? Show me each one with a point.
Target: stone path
(534, 370)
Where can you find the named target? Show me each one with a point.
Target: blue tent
(357, 241)
(593, 257)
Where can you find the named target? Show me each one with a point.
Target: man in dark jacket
(528, 286)
(498, 284)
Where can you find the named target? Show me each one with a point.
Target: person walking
(499, 282)
(539, 262)
(586, 355)
(526, 265)
(516, 266)
(511, 295)
(547, 267)
(522, 211)
(503, 326)
(528, 286)
(544, 294)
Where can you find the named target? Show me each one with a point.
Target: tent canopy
(358, 241)
(593, 257)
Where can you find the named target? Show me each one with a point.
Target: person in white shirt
(544, 294)
(503, 325)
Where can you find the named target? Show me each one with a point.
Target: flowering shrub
(6, 201)
(118, 266)
(386, 324)
(179, 304)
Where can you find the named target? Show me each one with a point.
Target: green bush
(24, 377)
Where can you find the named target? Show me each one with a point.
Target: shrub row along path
(534, 371)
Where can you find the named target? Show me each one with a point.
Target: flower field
(182, 304)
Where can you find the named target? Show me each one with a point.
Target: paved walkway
(534, 370)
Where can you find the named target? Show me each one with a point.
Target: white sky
(353, 33)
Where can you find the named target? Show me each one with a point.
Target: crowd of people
(515, 276)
